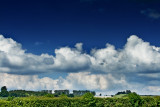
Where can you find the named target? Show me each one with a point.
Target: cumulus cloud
(14, 59)
(81, 80)
(103, 83)
(27, 82)
(86, 80)
(71, 60)
(136, 56)
(79, 46)
(103, 69)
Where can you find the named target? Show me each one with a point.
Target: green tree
(89, 100)
(135, 99)
(4, 92)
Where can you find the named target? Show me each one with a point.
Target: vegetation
(88, 100)
(124, 92)
(39, 99)
(4, 92)
(120, 96)
(24, 93)
(135, 99)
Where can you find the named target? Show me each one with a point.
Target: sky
(101, 45)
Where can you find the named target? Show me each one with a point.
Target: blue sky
(94, 22)
(42, 32)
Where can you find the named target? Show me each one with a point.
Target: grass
(120, 96)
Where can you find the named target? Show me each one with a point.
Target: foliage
(4, 92)
(148, 102)
(4, 88)
(135, 99)
(120, 96)
(63, 96)
(56, 95)
(49, 95)
(10, 98)
(124, 92)
(24, 93)
(157, 99)
(70, 95)
(89, 100)
(86, 101)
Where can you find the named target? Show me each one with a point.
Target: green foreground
(88, 100)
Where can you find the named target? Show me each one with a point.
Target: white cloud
(79, 46)
(81, 80)
(70, 60)
(103, 69)
(15, 60)
(26, 82)
(142, 54)
(137, 55)
(10, 46)
(102, 83)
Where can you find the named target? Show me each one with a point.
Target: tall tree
(4, 92)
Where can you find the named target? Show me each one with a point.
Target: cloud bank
(133, 67)
(81, 80)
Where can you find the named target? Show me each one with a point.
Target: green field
(120, 96)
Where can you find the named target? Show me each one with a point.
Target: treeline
(124, 92)
(24, 93)
(87, 100)
(20, 93)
